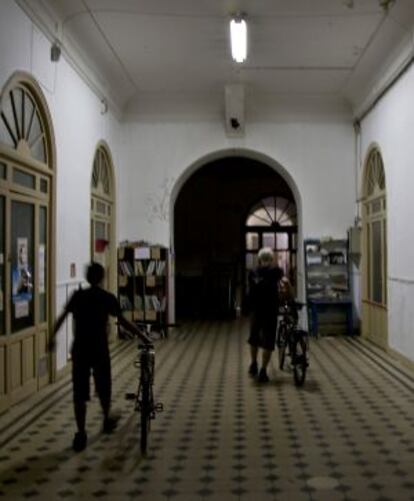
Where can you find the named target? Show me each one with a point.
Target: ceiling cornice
(51, 28)
(395, 66)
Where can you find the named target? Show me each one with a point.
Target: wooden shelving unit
(143, 283)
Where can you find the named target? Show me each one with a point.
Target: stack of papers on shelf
(142, 253)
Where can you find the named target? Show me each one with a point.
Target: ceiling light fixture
(238, 37)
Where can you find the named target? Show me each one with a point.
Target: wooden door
(374, 253)
(26, 181)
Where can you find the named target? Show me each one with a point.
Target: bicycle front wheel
(145, 416)
(281, 345)
(300, 362)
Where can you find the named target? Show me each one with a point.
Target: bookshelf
(328, 286)
(143, 283)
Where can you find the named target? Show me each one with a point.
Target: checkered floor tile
(347, 434)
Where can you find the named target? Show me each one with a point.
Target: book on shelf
(139, 268)
(125, 268)
(160, 268)
(124, 302)
(150, 268)
(139, 302)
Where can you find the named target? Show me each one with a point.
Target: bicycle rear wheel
(300, 362)
(145, 416)
(281, 345)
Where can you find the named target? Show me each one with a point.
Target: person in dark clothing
(264, 304)
(91, 308)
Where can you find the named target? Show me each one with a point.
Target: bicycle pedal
(130, 396)
(159, 407)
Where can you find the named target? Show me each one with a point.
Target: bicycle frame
(144, 397)
(289, 336)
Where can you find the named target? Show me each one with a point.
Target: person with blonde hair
(264, 304)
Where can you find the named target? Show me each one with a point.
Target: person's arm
(58, 325)
(287, 289)
(61, 318)
(129, 326)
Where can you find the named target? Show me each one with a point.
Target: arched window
(22, 124)
(272, 222)
(26, 195)
(375, 225)
(374, 252)
(102, 202)
(101, 173)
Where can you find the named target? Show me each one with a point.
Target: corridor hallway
(346, 435)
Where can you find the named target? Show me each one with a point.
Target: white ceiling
(299, 47)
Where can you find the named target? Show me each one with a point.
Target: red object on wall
(101, 244)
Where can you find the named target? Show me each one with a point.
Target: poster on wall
(22, 285)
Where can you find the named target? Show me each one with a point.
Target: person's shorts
(263, 332)
(82, 368)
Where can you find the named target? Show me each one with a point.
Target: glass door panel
(269, 240)
(2, 261)
(282, 241)
(42, 263)
(377, 262)
(22, 265)
(252, 241)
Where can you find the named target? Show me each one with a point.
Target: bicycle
(144, 397)
(294, 339)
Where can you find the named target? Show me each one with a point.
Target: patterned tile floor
(346, 435)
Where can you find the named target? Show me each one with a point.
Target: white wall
(312, 149)
(78, 126)
(316, 154)
(390, 126)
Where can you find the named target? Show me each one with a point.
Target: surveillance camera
(235, 124)
(55, 52)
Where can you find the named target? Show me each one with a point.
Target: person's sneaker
(263, 377)
(79, 441)
(253, 370)
(110, 424)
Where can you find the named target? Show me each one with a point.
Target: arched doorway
(374, 253)
(210, 214)
(102, 215)
(26, 248)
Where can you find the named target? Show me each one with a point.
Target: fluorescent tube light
(238, 37)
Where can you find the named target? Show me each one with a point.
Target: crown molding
(51, 27)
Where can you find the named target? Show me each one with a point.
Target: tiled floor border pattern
(347, 435)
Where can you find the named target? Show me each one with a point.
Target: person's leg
(266, 356)
(80, 379)
(80, 415)
(254, 343)
(269, 338)
(253, 368)
(103, 385)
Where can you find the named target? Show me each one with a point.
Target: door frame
(374, 313)
(20, 157)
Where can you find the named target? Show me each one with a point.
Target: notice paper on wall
(22, 285)
(21, 309)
